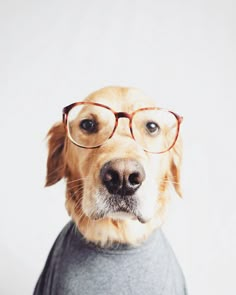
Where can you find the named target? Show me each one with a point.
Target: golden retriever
(115, 192)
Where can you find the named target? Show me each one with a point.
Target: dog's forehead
(121, 99)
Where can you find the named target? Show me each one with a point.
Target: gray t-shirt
(76, 267)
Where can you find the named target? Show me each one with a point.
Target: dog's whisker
(78, 205)
(87, 225)
(75, 186)
(55, 170)
(169, 181)
(79, 179)
(80, 215)
(75, 193)
(71, 186)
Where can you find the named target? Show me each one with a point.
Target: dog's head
(119, 155)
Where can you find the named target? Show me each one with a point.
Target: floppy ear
(175, 166)
(56, 154)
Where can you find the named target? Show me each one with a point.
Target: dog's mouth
(124, 215)
(120, 209)
(119, 215)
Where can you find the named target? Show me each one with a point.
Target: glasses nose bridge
(119, 115)
(122, 115)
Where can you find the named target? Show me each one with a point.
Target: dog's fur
(81, 169)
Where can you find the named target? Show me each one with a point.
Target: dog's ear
(175, 166)
(56, 165)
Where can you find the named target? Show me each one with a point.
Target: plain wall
(182, 53)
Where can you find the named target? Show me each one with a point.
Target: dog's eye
(153, 128)
(88, 125)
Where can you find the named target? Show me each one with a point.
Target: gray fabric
(75, 267)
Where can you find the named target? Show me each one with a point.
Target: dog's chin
(120, 215)
(127, 216)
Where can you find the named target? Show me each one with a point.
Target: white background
(183, 53)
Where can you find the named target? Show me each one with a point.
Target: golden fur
(80, 167)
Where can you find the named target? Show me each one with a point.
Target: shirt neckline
(124, 249)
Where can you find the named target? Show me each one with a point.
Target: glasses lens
(155, 130)
(90, 125)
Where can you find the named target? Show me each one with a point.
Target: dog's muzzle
(121, 180)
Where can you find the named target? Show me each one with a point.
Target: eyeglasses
(90, 125)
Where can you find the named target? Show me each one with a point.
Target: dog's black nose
(122, 176)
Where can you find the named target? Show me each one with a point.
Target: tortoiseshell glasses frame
(117, 116)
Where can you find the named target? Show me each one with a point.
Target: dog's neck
(107, 231)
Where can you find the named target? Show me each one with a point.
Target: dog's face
(117, 182)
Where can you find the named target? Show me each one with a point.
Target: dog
(120, 155)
